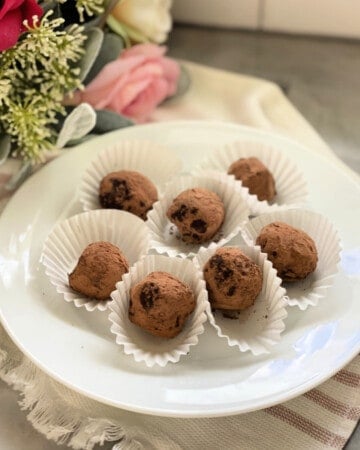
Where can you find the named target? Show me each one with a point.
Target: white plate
(77, 348)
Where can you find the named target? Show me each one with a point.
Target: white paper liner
(137, 342)
(291, 189)
(258, 327)
(165, 237)
(308, 291)
(68, 239)
(149, 158)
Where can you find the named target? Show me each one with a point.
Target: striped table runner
(323, 418)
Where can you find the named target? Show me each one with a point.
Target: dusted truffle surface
(160, 304)
(255, 176)
(198, 214)
(292, 252)
(129, 191)
(232, 279)
(100, 267)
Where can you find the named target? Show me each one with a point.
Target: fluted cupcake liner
(291, 189)
(258, 327)
(140, 344)
(68, 239)
(309, 291)
(165, 238)
(149, 158)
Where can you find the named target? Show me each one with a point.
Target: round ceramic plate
(77, 348)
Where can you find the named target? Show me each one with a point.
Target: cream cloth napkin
(320, 419)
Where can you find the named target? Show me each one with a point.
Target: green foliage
(94, 41)
(109, 121)
(90, 7)
(111, 48)
(5, 148)
(35, 75)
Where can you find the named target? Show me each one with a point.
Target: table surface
(329, 104)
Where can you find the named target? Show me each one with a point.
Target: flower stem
(111, 5)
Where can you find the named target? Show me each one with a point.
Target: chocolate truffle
(292, 252)
(160, 304)
(129, 191)
(233, 280)
(255, 176)
(198, 214)
(100, 267)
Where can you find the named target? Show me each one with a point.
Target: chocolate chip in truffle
(180, 213)
(148, 295)
(216, 261)
(119, 193)
(233, 281)
(127, 191)
(161, 304)
(230, 314)
(121, 189)
(231, 291)
(199, 225)
(222, 272)
(199, 210)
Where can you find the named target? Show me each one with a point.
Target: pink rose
(12, 15)
(134, 84)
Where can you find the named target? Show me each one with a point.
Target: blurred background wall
(310, 48)
(339, 18)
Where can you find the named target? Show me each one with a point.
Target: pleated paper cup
(68, 239)
(258, 327)
(165, 237)
(309, 291)
(290, 185)
(141, 345)
(148, 158)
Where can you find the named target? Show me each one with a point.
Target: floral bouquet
(71, 69)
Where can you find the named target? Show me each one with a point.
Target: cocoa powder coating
(160, 304)
(292, 251)
(255, 176)
(129, 191)
(198, 214)
(233, 280)
(100, 266)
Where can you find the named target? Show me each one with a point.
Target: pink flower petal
(147, 50)
(10, 29)
(29, 9)
(115, 92)
(172, 73)
(147, 100)
(134, 84)
(9, 5)
(128, 94)
(148, 69)
(112, 71)
(101, 97)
